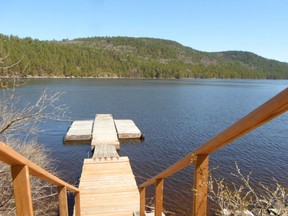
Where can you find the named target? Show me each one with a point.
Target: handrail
(266, 112)
(21, 164)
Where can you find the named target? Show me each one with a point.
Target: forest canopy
(131, 58)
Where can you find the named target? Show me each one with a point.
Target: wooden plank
(142, 201)
(104, 131)
(107, 151)
(159, 197)
(201, 172)
(11, 157)
(108, 188)
(63, 203)
(108, 214)
(79, 131)
(22, 190)
(77, 209)
(127, 129)
(111, 211)
(91, 160)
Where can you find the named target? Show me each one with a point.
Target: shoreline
(122, 78)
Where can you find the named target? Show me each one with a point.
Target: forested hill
(130, 57)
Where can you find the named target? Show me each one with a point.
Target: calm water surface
(176, 116)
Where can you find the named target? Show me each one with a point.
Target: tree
(15, 120)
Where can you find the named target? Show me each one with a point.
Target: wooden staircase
(108, 188)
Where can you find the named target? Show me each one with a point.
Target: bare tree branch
(15, 118)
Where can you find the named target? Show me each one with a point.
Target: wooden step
(108, 188)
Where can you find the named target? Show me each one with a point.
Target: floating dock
(104, 130)
(127, 129)
(80, 131)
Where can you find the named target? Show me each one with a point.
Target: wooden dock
(108, 188)
(107, 184)
(104, 131)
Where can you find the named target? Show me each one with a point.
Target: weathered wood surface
(200, 188)
(105, 151)
(108, 188)
(13, 158)
(80, 131)
(22, 190)
(63, 202)
(104, 131)
(127, 129)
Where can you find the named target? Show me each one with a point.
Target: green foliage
(131, 57)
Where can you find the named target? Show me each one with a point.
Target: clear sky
(259, 26)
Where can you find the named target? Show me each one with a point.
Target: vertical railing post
(142, 200)
(63, 203)
(201, 173)
(77, 204)
(22, 190)
(159, 197)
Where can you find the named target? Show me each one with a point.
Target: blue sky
(259, 26)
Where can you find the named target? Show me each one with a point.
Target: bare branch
(242, 199)
(15, 118)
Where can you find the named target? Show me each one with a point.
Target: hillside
(131, 57)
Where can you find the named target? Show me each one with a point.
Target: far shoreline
(125, 78)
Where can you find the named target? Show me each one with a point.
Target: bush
(242, 199)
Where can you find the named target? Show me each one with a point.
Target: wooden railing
(200, 157)
(21, 169)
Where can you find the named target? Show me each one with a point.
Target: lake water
(176, 116)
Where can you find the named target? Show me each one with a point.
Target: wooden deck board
(127, 129)
(108, 188)
(106, 151)
(104, 131)
(80, 131)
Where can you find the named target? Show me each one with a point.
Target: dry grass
(243, 199)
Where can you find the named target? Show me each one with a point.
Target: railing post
(201, 173)
(159, 197)
(77, 204)
(63, 203)
(22, 190)
(142, 200)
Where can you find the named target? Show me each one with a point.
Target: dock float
(104, 130)
(127, 129)
(108, 188)
(80, 131)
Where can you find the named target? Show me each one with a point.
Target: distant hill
(131, 57)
